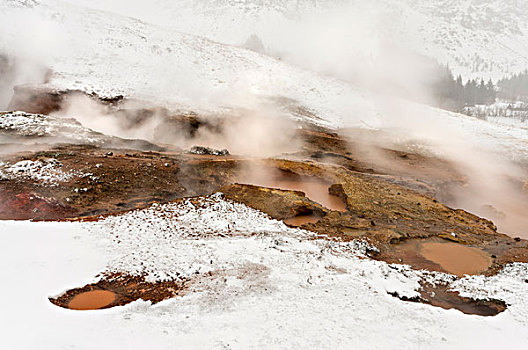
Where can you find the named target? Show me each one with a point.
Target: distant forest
(514, 88)
(454, 94)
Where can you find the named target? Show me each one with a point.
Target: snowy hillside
(99, 51)
(108, 54)
(486, 38)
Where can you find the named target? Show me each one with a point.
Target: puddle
(436, 254)
(456, 258)
(314, 189)
(302, 220)
(92, 300)
(441, 296)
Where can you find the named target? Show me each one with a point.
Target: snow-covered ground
(273, 287)
(19, 125)
(47, 172)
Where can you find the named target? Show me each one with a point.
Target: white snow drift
(272, 287)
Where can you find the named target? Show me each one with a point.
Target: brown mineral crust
(117, 180)
(46, 100)
(280, 204)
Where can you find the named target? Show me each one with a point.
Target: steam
(127, 123)
(27, 44)
(493, 185)
(16, 71)
(353, 42)
(260, 130)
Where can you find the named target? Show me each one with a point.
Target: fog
(27, 45)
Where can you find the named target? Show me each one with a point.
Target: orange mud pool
(92, 300)
(302, 220)
(456, 258)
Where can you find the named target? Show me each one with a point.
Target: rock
(279, 204)
(208, 151)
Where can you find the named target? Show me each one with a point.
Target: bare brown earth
(44, 100)
(396, 208)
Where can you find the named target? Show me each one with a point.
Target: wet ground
(301, 220)
(313, 188)
(441, 296)
(443, 255)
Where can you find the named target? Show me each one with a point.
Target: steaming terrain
(192, 173)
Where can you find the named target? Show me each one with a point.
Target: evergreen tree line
(514, 88)
(453, 94)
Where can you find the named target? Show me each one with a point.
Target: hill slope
(477, 38)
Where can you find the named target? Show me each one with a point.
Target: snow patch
(183, 239)
(46, 172)
(22, 124)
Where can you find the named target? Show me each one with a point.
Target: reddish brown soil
(24, 206)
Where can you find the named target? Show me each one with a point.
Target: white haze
(261, 131)
(26, 43)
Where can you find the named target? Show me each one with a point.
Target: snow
(144, 240)
(46, 172)
(111, 55)
(22, 124)
(504, 137)
(272, 287)
(478, 39)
